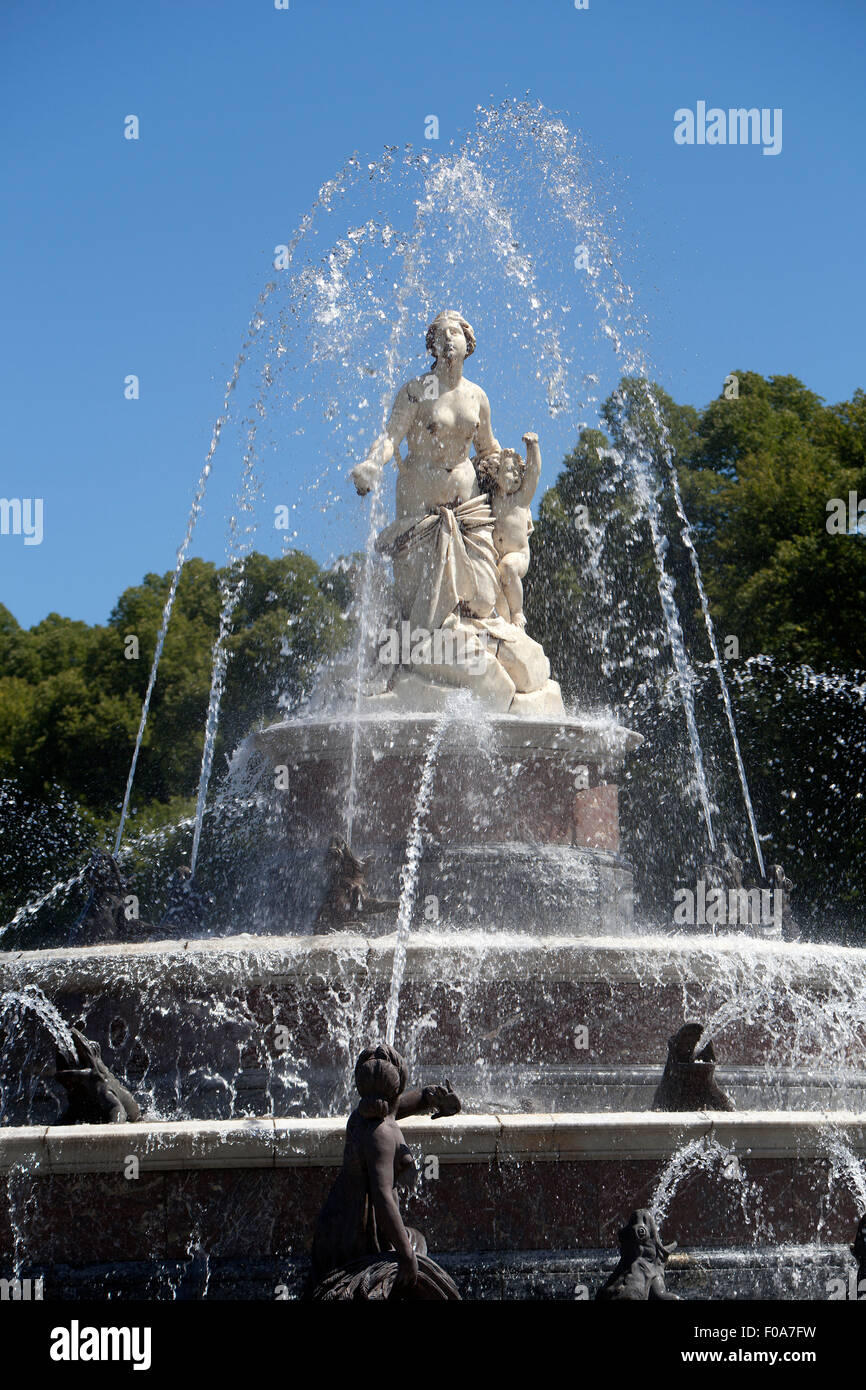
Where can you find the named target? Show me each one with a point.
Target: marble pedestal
(521, 825)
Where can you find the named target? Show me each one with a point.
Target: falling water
(255, 325)
(707, 1155)
(411, 866)
(687, 537)
(220, 660)
(326, 194)
(238, 548)
(645, 489)
(376, 522)
(806, 1003)
(153, 840)
(564, 180)
(58, 891)
(14, 1003)
(846, 1168)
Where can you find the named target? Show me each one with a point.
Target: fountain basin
(512, 780)
(249, 1025)
(268, 1141)
(533, 1195)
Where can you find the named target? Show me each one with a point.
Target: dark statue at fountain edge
(688, 1081)
(105, 913)
(348, 898)
(111, 911)
(361, 1248)
(640, 1275)
(95, 1094)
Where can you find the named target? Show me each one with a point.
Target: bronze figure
(95, 1094)
(688, 1081)
(348, 898)
(361, 1248)
(640, 1274)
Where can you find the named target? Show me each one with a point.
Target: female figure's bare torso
(440, 434)
(441, 418)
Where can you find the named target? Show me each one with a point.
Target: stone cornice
(501, 956)
(464, 1139)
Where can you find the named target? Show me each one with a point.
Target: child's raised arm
(533, 470)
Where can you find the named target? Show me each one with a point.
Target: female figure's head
(450, 338)
(380, 1077)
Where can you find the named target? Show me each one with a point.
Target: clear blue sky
(146, 257)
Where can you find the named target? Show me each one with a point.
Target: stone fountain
(481, 819)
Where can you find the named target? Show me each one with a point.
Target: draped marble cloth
(463, 565)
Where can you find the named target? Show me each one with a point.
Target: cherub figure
(510, 484)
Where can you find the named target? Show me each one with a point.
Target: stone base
(799, 1272)
(252, 1025)
(496, 780)
(561, 890)
(495, 662)
(519, 1207)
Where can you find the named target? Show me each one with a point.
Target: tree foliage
(71, 696)
(787, 598)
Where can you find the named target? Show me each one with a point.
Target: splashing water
(687, 537)
(54, 894)
(15, 1004)
(847, 1169)
(646, 491)
(493, 226)
(365, 619)
(239, 546)
(195, 511)
(257, 322)
(409, 872)
(706, 1155)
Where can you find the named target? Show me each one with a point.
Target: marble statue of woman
(447, 568)
(441, 416)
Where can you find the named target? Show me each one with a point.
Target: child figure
(510, 484)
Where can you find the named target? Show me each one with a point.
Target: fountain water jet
(409, 872)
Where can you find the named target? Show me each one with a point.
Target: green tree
(756, 473)
(757, 482)
(71, 696)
